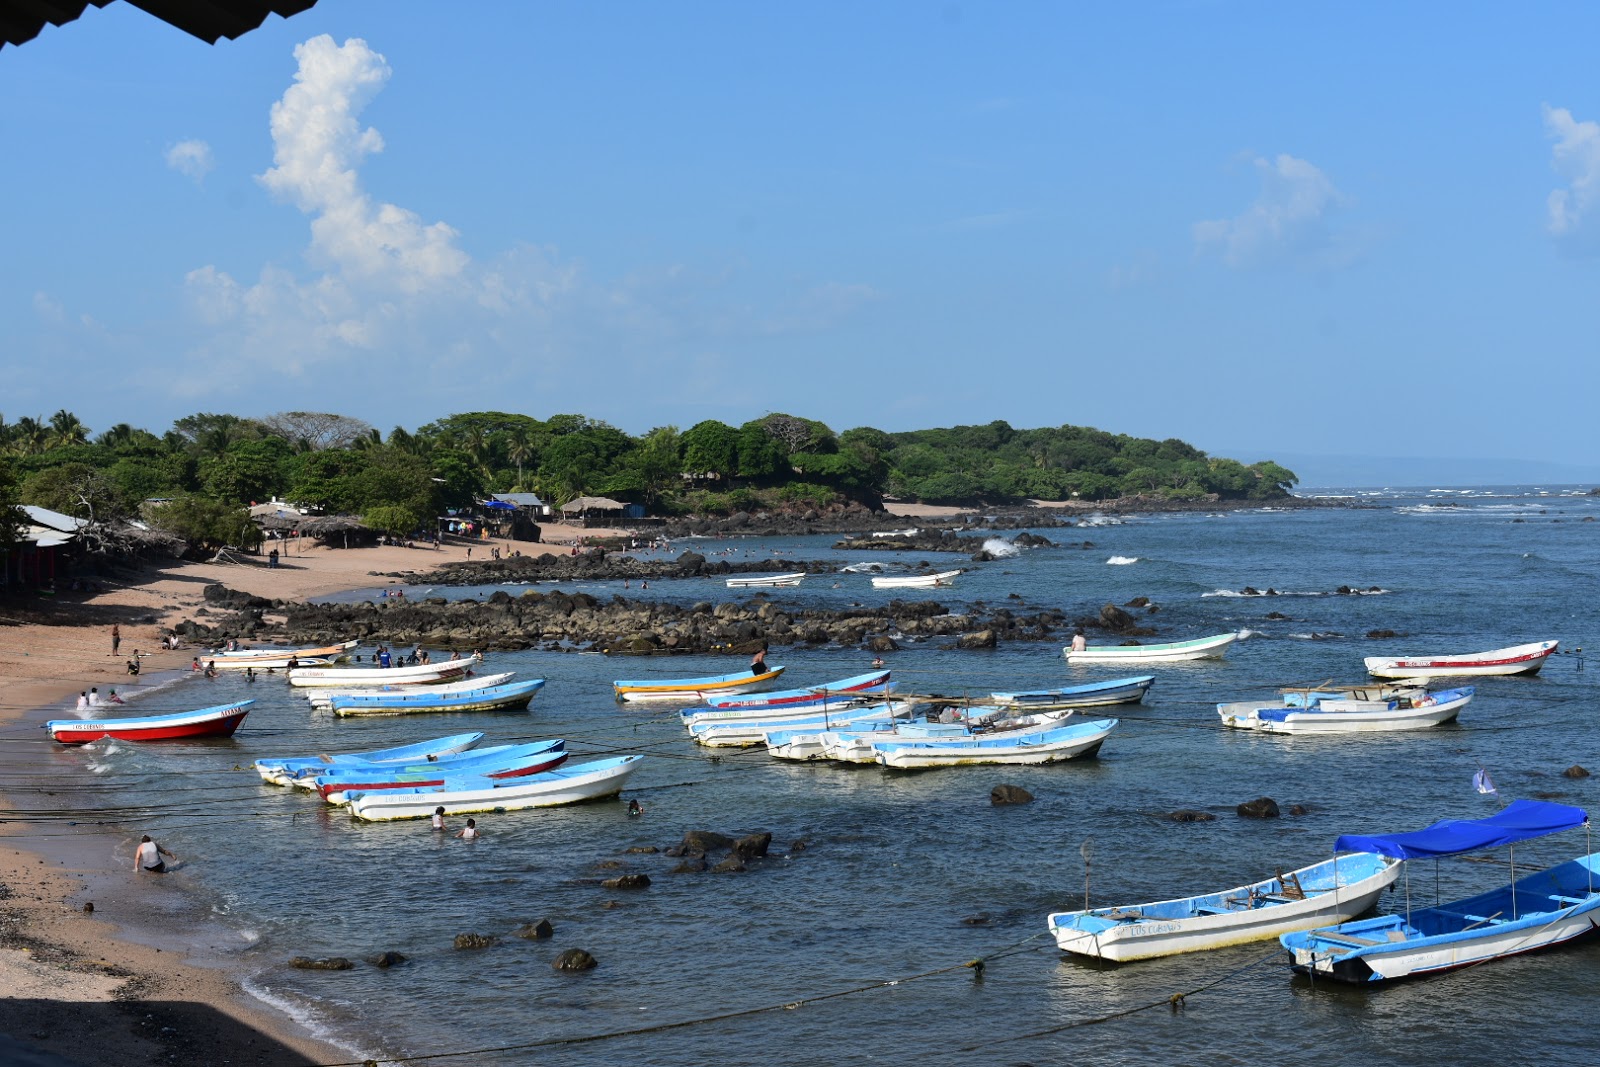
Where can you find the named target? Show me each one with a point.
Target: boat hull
(220, 721)
(514, 696)
(1078, 741)
(1518, 659)
(1349, 716)
(1155, 655)
(693, 688)
(860, 683)
(918, 581)
(345, 677)
(1099, 694)
(283, 771)
(1334, 890)
(566, 785)
(771, 580)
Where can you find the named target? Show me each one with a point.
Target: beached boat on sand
(774, 580)
(349, 677)
(1550, 907)
(1155, 655)
(266, 659)
(916, 581)
(512, 696)
(693, 688)
(1327, 892)
(279, 771)
(1417, 711)
(219, 721)
(1518, 659)
(568, 784)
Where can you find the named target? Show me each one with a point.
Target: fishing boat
(512, 696)
(348, 677)
(501, 761)
(280, 771)
(568, 784)
(783, 580)
(1093, 694)
(916, 581)
(219, 721)
(821, 704)
(1157, 655)
(1340, 715)
(693, 688)
(1028, 747)
(1518, 659)
(264, 659)
(740, 732)
(859, 683)
(321, 699)
(855, 742)
(1550, 907)
(1327, 892)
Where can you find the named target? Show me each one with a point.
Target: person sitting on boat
(758, 662)
(469, 832)
(1079, 642)
(147, 857)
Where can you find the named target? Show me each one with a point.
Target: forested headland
(207, 468)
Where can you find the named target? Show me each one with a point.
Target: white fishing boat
(1327, 892)
(777, 580)
(1518, 659)
(916, 581)
(1094, 694)
(1026, 747)
(280, 771)
(511, 696)
(692, 688)
(350, 677)
(854, 742)
(1543, 909)
(568, 784)
(910, 532)
(267, 659)
(1155, 655)
(1339, 715)
(872, 681)
(322, 699)
(741, 732)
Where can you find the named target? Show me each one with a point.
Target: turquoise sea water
(906, 877)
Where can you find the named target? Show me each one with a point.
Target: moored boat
(1517, 659)
(324, 698)
(738, 732)
(219, 721)
(774, 580)
(1093, 694)
(1169, 652)
(264, 659)
(916, 581)
(1329, 716)
(501, 761)
(421, 674)
(854, 684)
(1540, 910)
(568, 784)
(1327, 892)
(1071, 741)
(507, 697)
(693, 688)
(280, 771)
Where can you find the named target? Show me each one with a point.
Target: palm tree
(120, 434)
(31, 436)
(519, 450)
(67, 429)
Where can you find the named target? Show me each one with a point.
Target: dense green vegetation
(208, 466)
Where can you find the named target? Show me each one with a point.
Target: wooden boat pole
(1084, 850)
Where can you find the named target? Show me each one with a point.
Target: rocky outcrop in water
(1259, 808)
(575, 959)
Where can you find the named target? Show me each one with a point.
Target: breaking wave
(1001, 549)
(1121, 561)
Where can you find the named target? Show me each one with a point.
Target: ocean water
(854, 948)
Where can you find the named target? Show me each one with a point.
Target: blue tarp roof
(1518, 821)
(499, 505)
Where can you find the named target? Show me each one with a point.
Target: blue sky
(1267, 229)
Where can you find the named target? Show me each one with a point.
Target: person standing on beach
(147, 857)
(116, 638)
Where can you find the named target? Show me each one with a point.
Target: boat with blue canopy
(1540, 910)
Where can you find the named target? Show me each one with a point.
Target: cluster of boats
(450, 773)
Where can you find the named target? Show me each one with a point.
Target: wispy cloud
(192, 159)
(1576, 158)
(1288, 222)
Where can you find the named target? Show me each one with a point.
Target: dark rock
(1138, 602)
(1009, 794)
(1278, 615)
(1259, 808)
(1381, 635)
(539, 931)
(325, 963)
(608, 865)
(798, 846)
(627, 881)
(575, 959)
(473, 941)
(1190, 815)
(1574, 771)
(752, 846)
(641, 850)
(691, 865)
(1114, 618)
(732, 865)
(1299, 809)
(387, 960)
(980, 919)
(881, 643)
(704, 841)
(981, 639)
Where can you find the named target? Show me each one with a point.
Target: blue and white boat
(1017, 747)
(872, 681)
(1092, 694)
(1327, 892)
(1548, 908)
(1415, 710)
(741, 731)
(281, 771)
(510, 696)
(568, 784)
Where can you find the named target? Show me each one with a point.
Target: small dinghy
(916, 581)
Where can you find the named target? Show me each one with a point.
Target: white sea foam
(1250, 592)
(304, 1015)
(1001, 549)
(1318, 635)
(1121, 561)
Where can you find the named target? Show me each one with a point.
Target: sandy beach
(92, 987)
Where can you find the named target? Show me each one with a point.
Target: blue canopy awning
(1518, 821)
(499, 505)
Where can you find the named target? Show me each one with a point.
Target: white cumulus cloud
(1287, 222)
(1576, 158)
(192, 159)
